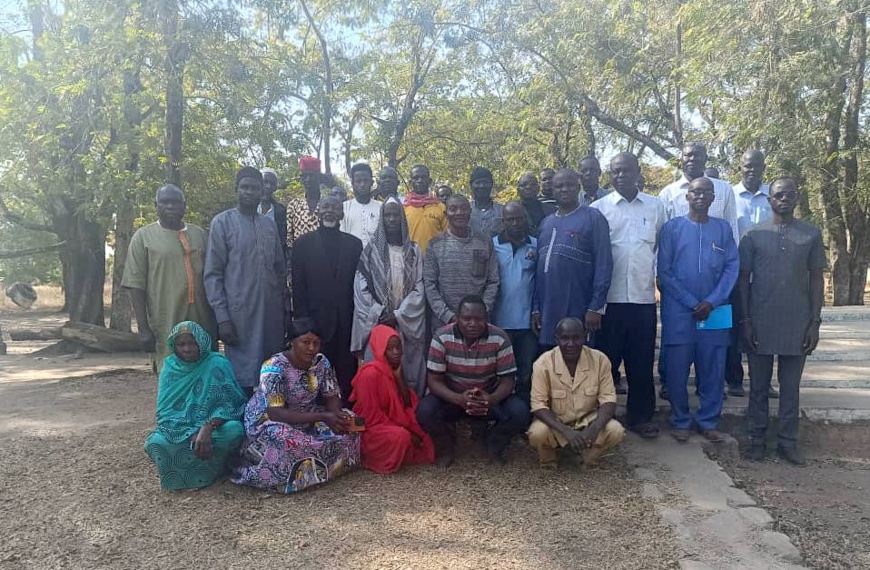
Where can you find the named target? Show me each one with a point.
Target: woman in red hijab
(392, 437)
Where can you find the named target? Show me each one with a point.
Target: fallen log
(100, 338)
(50, 333)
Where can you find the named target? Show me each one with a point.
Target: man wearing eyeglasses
(697, 269)
(781, 295)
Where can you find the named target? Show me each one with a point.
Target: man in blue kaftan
(697, 268)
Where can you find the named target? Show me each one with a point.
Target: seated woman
(296, 431)
(199, 406)
(392, 437)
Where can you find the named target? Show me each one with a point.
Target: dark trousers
(790, 370)
(628, 333)
(436, 417)
(734, 358)
(337, 350)
(525, 345)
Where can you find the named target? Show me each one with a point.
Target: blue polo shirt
(516, 272)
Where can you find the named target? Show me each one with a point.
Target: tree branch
(19, 221)
(31, 251)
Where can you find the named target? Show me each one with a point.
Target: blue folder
(718, 319)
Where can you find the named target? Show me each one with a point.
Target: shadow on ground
(79, 492)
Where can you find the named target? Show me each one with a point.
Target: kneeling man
(573, 399)
(471, 372)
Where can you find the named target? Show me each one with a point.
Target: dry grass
(48, 297)
(79, 492)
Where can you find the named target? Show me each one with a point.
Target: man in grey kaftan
(244, 281)
(388, 289)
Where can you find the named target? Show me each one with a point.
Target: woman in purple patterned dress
(296, 430)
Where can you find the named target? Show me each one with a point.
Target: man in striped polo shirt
(471, 372)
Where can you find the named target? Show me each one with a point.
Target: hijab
(378, 340)
(192, 393)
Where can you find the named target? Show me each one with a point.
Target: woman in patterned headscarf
(199, 406)
(388, 290)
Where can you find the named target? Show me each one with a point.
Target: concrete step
(845, 405)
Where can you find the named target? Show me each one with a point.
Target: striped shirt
(471, 366)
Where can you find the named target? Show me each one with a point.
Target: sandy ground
(79, 492)
(825, 506)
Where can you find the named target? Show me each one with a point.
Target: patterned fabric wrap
(288, 458)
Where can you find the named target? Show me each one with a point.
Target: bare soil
(823, 507)
(79, 492)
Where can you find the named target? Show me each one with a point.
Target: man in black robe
(324, 265)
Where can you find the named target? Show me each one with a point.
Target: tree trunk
(328, 88)
(855, 212)
(121, 316)
(86, 251)
(100, 338)
(174, 68)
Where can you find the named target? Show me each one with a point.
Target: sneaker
(756, 452)
(737, 391)
(681, 435)
(792, 455)
(714, 435)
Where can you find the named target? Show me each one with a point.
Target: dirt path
(825, 506)
(78, 492)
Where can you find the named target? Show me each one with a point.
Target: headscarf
(192, 393)
(374, 263)
(378, 340)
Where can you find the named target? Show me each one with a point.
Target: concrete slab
(711, 530)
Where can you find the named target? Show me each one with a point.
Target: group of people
(517, 317)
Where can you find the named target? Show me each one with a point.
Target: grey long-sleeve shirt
(455, 267)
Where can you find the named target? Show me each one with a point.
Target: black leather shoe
(792, 455)
(663, 393)
(756, 452)
(736, 391)
(772, 393)
(621, 389)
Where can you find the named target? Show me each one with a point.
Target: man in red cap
(302, 212)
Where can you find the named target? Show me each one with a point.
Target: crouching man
(573, 399)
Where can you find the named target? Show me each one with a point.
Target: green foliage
(512, 85)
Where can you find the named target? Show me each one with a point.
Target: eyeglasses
(788, 194)
(701, 192)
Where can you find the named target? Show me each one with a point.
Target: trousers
(790, 368)
(628, 334)
(525, 344)
(709, 361)
(511, 416)
(546, 442)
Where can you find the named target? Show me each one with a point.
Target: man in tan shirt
(573, 399)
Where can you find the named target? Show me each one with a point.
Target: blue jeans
(525, 344)
(709, 363)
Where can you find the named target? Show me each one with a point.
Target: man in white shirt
(752, 209)
(361, 215)
(673, 196)
(628, 329)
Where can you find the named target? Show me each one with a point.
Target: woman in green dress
(199, 406)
